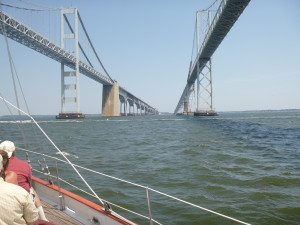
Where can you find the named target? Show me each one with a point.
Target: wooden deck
(77, 208)
(58, 217)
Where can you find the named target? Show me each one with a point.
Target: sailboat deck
(57, 217)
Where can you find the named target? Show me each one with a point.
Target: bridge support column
(125, 107)
(185, 106)
(110, 100)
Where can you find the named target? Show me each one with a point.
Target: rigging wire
(14, 74)
(93, 47)
(54, 145)
(2, 27)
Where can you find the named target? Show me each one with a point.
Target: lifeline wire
(151, 189)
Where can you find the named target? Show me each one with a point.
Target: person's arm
(32, 223)
(11, 177)
(30, 211)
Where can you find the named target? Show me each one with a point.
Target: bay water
(245, 165)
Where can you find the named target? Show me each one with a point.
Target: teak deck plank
(58, 217)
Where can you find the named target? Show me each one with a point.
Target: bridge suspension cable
(83, 52)
(212, 5)
(29, 9)
(92, 46)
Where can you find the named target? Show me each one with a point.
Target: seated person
(23, 171)
(8, 176)
(16, 206)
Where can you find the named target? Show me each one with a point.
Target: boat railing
(49, 176)
(147, 189)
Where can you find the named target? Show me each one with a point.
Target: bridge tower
(204, 76)
(70, 102)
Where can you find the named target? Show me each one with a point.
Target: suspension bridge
(214, 24)
(116, 100)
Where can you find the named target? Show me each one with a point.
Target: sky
(147, 46)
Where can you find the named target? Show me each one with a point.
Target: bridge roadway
(28, 37)
(227, 14)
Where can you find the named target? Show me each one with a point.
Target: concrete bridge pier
(142, 109)
(125, 107)
(115, 103)
(137, 104)
(110, 100)
(131, 107)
